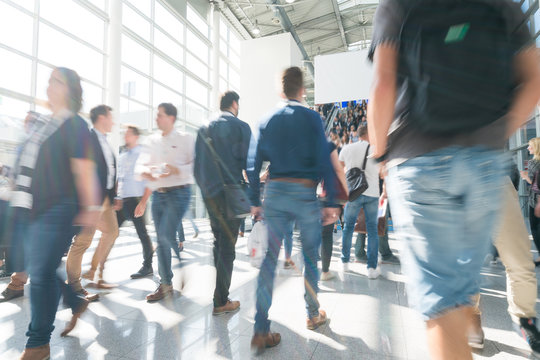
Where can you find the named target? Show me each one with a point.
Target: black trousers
(225, 234)
(535, 228)
(128, 213)
(327, 246)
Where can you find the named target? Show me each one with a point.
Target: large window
(36, 36)
(518, 142)
(229, 59)
(160, 52)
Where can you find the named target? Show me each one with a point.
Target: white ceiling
(320, 26)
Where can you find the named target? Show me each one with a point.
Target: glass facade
(164, 57)
(518, 143)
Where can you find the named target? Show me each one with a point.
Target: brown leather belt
(306, 182)
(170, 188)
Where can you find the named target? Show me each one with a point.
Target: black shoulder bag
(236, 199)
(356, 180)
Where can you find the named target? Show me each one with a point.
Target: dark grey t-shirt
(404, 141)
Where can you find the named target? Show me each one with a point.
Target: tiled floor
(369, 318)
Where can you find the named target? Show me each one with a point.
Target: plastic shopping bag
(257, 244)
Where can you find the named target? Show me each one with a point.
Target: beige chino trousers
(512, 241)
(108, 225)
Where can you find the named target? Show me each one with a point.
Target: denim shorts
(444, 207)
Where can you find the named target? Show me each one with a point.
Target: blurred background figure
(531, 177)
(16, 219)
(130, 191)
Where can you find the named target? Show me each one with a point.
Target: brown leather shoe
(259, 342)
(76, 315)
(87, 295)
(317, 321)
(42, 352)
(161, 292)
(229, 307)
(9, 294)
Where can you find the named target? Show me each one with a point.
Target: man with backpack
(452, 80)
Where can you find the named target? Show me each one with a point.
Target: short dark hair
(227, 99)
(134, 129)
(169, 109)
(73, 82)
(292, 81)
(99, 110)
(362, 130)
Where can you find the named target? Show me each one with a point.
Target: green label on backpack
(457, 33)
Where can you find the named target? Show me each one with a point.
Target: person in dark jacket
(228, 139)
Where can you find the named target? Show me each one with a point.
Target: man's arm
(527, 68)
(382, 97)
(88, 191)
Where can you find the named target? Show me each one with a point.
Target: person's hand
(148, 176)
(537, 210)
(256, 213)
(87, 218)
(118, 203)
(524, 174)
(329, 215)
(140, 209)
(169, 170)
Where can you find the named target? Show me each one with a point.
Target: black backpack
(457, 58)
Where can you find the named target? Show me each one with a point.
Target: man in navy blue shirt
(229, 137)
(293, 141)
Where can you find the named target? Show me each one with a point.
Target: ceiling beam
(288, 26)
(340, 23)
(333, 34)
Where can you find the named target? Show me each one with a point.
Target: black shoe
(9, 294)
(528, 331)
(361, 258)
(143, 271)
(392, 259)
(3, 272)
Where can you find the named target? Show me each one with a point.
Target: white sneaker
(325, 276)
(373, 273)
(345, 267)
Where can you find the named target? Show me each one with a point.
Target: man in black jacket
(230, 139)
(105, 160)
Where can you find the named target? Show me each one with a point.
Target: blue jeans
(167, 211)
(288, 240)
(16, 234)
(48, 237)
(444, 207)
(180, 230)
(283, 202)
(352, 209)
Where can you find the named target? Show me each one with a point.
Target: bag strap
(217, 159)
(365, 158)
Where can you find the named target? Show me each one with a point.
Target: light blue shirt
(128, 186)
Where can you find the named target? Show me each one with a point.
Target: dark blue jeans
(167, 210)
(17, 234)
(352, 209)
(48, 237)
(285, 202)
